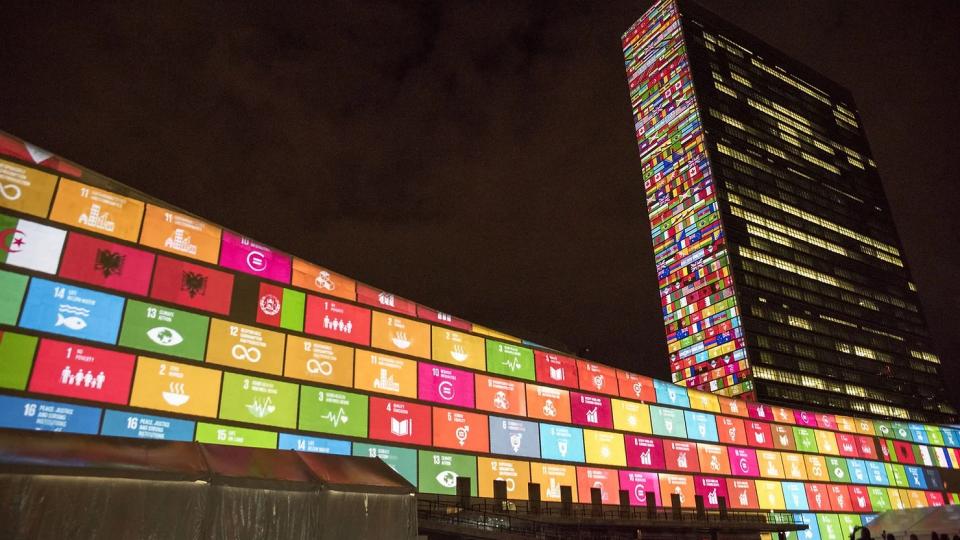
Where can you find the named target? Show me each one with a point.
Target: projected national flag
(30, 245)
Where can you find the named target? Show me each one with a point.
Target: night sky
(475, 157)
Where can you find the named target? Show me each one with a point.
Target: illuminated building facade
(780, 270)
(121, 316)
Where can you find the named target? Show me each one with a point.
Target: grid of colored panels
(104, 333)
(704, 336)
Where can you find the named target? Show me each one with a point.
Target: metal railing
(446, 510)
(526, 517)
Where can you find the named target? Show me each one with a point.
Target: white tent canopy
(918, 521)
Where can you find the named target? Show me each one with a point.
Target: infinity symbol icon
(324, 368)
(250, 354)
(10, 192)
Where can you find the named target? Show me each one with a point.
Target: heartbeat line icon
(259, 408)
(512, 364)
(337, 418)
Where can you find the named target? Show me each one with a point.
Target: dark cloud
(478, 157)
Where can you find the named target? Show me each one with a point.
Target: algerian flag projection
(30, 245)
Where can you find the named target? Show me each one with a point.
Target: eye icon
(167, 337)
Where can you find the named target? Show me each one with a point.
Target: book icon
(401, 428)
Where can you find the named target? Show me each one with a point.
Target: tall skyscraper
(781, 274)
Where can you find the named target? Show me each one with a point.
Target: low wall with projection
(123, 317)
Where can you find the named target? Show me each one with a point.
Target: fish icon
(72, 322)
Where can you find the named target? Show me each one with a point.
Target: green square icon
(235, 436)
(12, 288)
(837, 469)
(439, 472)
(159, 329)
(259, 401)
(806, 440)
(16, 359)
(667, 422)
(510, 360)
(333, 411)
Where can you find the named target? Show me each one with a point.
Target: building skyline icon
(180, 241)
(780, 270)
(95, 219)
